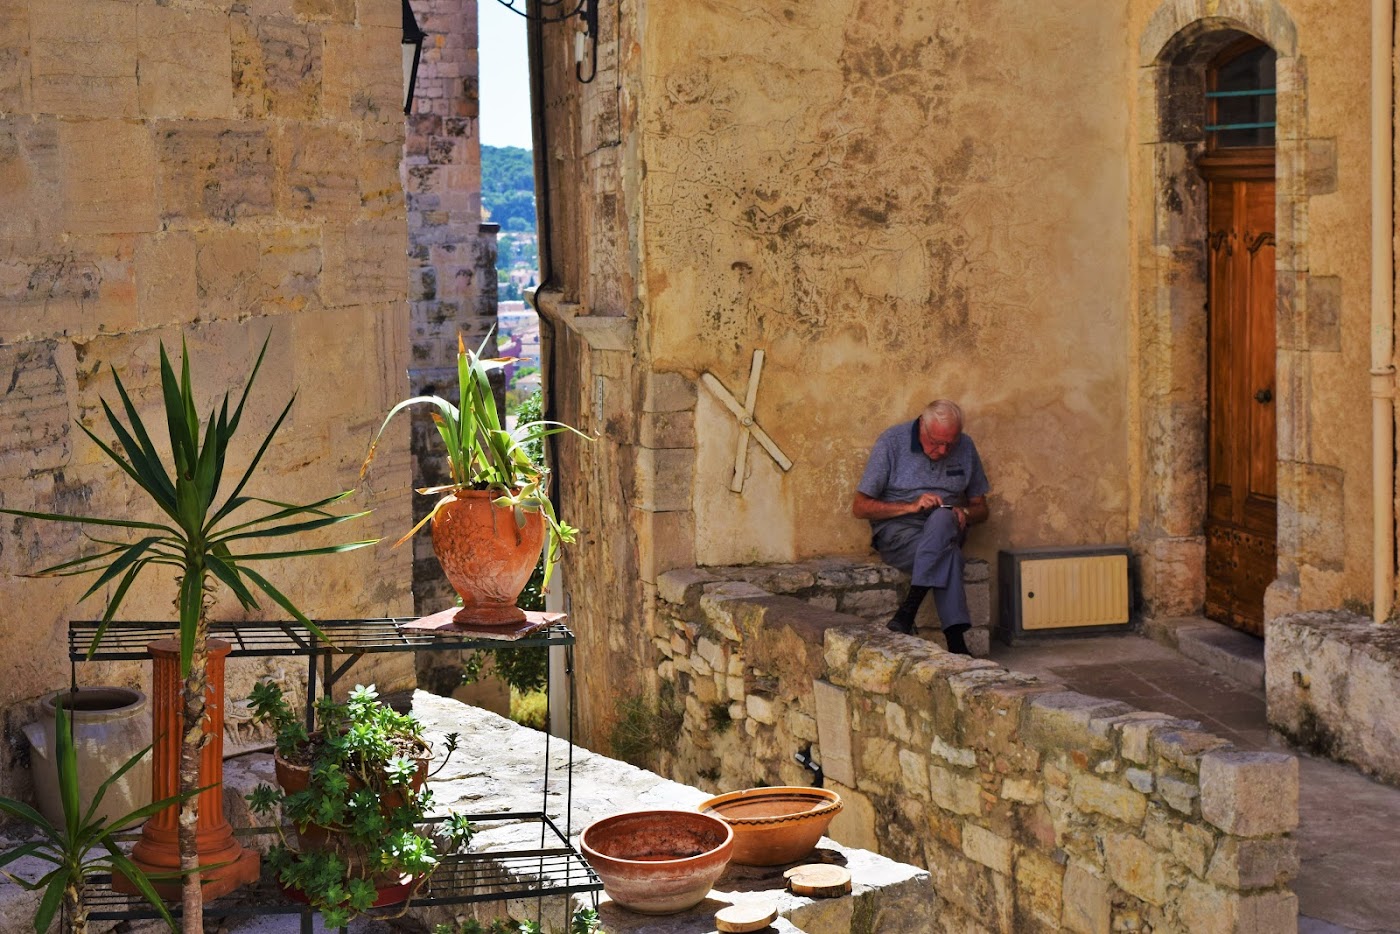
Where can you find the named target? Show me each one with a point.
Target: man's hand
(926, 503)
(866, 507)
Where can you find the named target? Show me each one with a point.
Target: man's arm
(867, 507)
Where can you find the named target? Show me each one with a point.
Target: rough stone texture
(1250, 794)
(167, 172)
(1333, 687)
(1035, 808)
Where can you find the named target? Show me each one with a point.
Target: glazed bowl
(658, 862)
(773, 826)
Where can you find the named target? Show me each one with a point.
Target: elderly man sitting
(922, 487)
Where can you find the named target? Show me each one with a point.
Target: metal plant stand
(552, 868)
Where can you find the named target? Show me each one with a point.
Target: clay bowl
(773, 826)
(658, 862)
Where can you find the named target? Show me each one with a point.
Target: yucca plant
(70, 847)
(484, 455)
(197, 539)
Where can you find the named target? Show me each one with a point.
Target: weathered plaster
(995, 203)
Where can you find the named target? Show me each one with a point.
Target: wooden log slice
(749, 916)
(819, 881)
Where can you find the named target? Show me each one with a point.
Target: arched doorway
(1206, 540)
(1241, 519)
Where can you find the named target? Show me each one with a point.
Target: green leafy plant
(70, 848)
(357, 818)
(644, 726)
(483, 455)
(584, 921)
(199, 538)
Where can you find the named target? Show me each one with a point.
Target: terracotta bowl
(773, 826)
(658, 862)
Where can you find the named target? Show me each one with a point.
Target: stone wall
(1034, 808)
(218, 173)
(1333, 686)
(452, 254)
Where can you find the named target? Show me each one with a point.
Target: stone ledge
(499, 767)
(1333, 688)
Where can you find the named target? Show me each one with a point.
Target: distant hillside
(508, 187)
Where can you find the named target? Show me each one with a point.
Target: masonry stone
(1250, 794)
(1087, 902)
(954, 792)
(1135, 867)
(914, 772)
(1254, 864)
(1109, 798)
(991, 850)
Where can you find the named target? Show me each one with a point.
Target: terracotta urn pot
(777, 825)
(487, 555)
(658, 862)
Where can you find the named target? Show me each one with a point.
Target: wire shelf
(554, 868)
(126, 640)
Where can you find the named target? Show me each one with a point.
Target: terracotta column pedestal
(158, 850)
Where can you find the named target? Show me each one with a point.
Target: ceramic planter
(773, 826)
(110, 725)
(487, 556)
(393, 888)
(658, 862)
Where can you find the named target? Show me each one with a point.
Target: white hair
(943, 412)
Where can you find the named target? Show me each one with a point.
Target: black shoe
(901, 624)
(954, 636)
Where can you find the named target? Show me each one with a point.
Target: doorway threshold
(1234, 654)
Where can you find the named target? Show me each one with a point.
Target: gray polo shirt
(899, 470)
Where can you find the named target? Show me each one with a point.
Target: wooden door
(1241, 519)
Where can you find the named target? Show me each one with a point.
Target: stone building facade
(895, 202)
(216, 172)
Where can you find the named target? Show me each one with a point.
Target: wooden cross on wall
(747, 425)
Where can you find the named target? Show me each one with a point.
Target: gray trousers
(929, 549)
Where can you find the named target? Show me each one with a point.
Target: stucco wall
(218, 172)
(902, 201)
(858, 191)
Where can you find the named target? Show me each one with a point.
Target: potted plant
(354, 792)
(492, 520)
(70, 843)
(200, 537)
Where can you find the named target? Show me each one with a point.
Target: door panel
(1241, 521)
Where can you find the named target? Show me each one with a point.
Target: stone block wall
(1333, 686)
(1035, 809)
(213, 173)
(451, 253)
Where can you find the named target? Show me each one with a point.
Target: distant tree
(508, 186)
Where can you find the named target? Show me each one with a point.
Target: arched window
(1241, 106)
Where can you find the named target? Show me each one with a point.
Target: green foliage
(70, 848)
(364, 764)
(508, 186)
(644, 727)
(720, 719)
(483, 455)
(529, 709)
(584, 921)
(197, 540)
